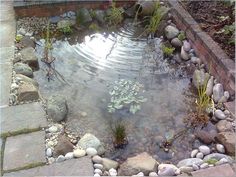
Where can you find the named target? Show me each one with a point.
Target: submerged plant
(115, 16)
(119, 134)
(125, 93)
(182, 36)
(167, 51)
(66, 30)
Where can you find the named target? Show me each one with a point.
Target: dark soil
(212, 17)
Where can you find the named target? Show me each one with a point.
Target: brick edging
(219, 64)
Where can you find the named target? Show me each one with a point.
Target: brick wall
(219, 64)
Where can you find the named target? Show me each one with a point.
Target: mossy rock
(83, 16)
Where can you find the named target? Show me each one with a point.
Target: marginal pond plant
(167, 51)
(181, 36)
(125, 94)
(115, 16)
(66, 30)
(119, 135)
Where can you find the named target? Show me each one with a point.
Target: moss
(22, 131)
(18, 38)
(168, 51)
(211, 161)
(181, 36)
(2, 155)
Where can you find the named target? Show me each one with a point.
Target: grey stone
(189, 162)
(91, 151)
(97, 159)
(186, 46)
(108, 163)
(176, 42)
(98, 171)
(228, 140)
(49, 152)
(69, 155)
(27, 42)
(54, 19)
(171, 32)
(200, 155)
(29, 57)
(63, 146)
(224, 126)
(226, 94)
(194, 153)
(57, 108)
(27, 92)
(26, 79)
(195, 167)
(81, 167)
(98, 166)
(83, 16)
(166, 171)
(220, 148)
(204, 149)
(200, 78)
(219, 114)
(209, 88)
(22, 68)
(60, 158)
(22, 118)
(89, 140)
(184, 55)
(217, 156)
(204, 165)
(196, 60)
(218, 92)
(186, 169)
(24, 150)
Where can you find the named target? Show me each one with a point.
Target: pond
(91, 63)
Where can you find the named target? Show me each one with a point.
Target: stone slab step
(25, 150)
(224, 170)
(74, 167)
(22, 118)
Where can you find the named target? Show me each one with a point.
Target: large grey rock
(83, 16)
(63, 146)
(29, 57)
(27, 92)
(140, 163)
(108, 164)
(218, 92)
(57, 108)
(171, 32)
(189, 162)
(24, 150)
(22, 68)
(209, 88)
(200, 78)
(219, 114)
(206, 134)
(21, 77)
(228, 140)
(224, 126)
(65, 23)
(89, 140)
(217, 156)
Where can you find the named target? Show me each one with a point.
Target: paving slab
(224, 170)
(74, 167)
(6, 54)
(7, 33)
(24, 150)
(5, 80)
(22, 119)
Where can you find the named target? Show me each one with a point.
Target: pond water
(90, 65)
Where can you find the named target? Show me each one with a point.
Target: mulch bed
(212, 17)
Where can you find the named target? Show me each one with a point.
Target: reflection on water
(102, 58)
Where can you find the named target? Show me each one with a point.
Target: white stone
(91, 151)
(51, 160)
(140, 174)
(200, 155)
(218, 92)
(204, 149)
(195, 167)
(209, 88)
(98, 166)
(22, 31)
(226, 94)
(96, 174)
(60, 158)
(97, 159)
(53, 129)
(83, 114)
(112, 172)
(222, 161)
(186, 169)
(184, 55)
(186, 46)
(220, 148)
(69, 155)
(189, 162)
(49, 152)
(98, 171)
(79, 153)
(204, 165)
(196, 60)
(194, 153)
(153, 174)
(166, 171)
(219, 114)
(171, 32)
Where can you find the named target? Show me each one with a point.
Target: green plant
(66, 30)
(94, 27)
(181, 36)
(119, 134)
(115, 16)
(167, 51)
(125, 93)
(211, 161)
(18, 37)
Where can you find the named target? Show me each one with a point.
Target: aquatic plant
(125, 93)
(18, 38)
(181, 36)
(115, 16)
(66, 30)
(94, 27)
(119, 134)
(167, 51)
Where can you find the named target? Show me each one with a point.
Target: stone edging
(220, 65)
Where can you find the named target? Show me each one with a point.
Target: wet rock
(171, 32)
(209, 88)
(166, 171)
(63, 146)
(142, 162)
(200, 155)
(91, 151)
(108, 164)
(98, 166)
(195, 60)
(22, 68)
(218, 92)
(220, 148)
(89, 140)
(184, 55)
(200, 78)
(99, 15)
(186, 169)
(217, 156)
(189, 162)
(79, 153)
(29, 57)
(112, 172)
(194, 153)
(27, 42)
(224, 126)
(97, 159)
(153, 174)
(83, 16)
(219, 114)
(20, 77)
(176, 43)
(204, 165)
(57, 108)
(228, 140)
(27, 92)
(186, 46)
(204, 149)
(69, 155)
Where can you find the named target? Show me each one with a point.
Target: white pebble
(195, 167)
(97, 159)
(60, 158)
(222, 161)
(96, 174)
(194, 153)
(220, 148)
(112, 172)
(200, 155)
(98, 171)
(79, 153)
(69, 155)
(49, 152)
(53, 129)
(153, 174)
(91, 151)
(204, 165)
(98, 166)
(204, 149)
